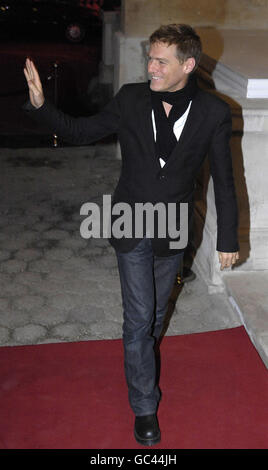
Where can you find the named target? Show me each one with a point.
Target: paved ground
(249, 296)
(56, 286)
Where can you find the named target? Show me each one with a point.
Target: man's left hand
(227, 259)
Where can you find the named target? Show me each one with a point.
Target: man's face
(165, 70)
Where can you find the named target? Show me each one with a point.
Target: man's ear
(189, 65)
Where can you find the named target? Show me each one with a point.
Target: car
(71, 19)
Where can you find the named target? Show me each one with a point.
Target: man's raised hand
(34, 83)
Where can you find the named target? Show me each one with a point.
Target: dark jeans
(146, 283)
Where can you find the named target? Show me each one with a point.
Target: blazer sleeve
(220, 159)
(78, 130)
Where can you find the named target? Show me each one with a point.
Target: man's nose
(152, 66)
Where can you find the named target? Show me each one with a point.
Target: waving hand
(34, 83)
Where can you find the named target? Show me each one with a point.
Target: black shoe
(147, 430)
(187, 274)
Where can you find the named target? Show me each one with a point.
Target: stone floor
(248, 294)
(56, 286)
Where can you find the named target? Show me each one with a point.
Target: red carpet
(73, 395)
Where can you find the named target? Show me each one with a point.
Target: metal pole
(55, 65)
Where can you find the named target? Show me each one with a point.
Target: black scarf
(180, 100)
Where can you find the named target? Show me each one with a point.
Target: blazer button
(161, 177)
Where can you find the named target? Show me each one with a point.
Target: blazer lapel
(146, 124)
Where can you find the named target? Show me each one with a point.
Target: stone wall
(141, 17)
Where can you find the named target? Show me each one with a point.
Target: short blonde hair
(184, 37)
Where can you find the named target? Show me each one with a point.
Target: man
(166, 128)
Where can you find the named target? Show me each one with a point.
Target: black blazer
(207, 131)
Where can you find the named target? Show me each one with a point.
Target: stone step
(248, 294)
